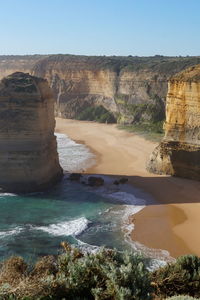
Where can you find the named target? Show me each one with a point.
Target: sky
(100, 27)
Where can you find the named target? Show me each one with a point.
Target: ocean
(33, 225)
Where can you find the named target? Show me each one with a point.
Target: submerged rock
(179, 152)
(123, 180)
(116, 182)
(28, 148)
(95, 181)
(75, 176)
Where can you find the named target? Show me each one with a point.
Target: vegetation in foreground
(105, 275)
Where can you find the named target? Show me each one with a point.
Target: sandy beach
(170, 224)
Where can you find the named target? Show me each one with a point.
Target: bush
(181, 298)
(179, 278)
(106, 275)
(96, 113)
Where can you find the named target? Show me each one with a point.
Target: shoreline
(120, 153)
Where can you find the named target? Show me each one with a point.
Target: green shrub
(96, 113)
(106, 275)
(152, 112)
(181, 298)
(179, 278)
(151, 131)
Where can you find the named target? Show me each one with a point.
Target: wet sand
(173, 222)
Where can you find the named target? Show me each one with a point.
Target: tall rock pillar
(179, 152)
(28, 148)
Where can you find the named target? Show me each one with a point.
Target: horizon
(91, 28)
(103, 55)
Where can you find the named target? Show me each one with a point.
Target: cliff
(28, 149)
(17, 63)
(179, 152)
(133, 89)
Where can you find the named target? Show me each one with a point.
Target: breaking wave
(73, 157)
(72, 227)
(15, 231)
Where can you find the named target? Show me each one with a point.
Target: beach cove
(171, 222)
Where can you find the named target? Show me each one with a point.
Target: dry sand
(173, 223)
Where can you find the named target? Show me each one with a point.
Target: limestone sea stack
(179, 152)
(28, 149)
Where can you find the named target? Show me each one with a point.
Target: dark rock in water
(75, 176)
(95, 181)
(123, 180)
(116, 182)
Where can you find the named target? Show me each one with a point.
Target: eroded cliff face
(179, 152)
(28, 148)
(132, 88)
(75, 90)
(80, 83)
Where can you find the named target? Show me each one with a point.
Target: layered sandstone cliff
(28, 148)
(179, 152)
(132, 88)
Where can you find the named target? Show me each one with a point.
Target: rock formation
(132, 88)
(28, 148)
(179, 152)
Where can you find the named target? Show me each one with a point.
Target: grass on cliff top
(150, 131)
(158, 63)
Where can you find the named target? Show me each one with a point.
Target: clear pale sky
(100, 27)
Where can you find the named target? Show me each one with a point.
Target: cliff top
(157, 63)
(168, 65)
(20, 82)
(191, 74)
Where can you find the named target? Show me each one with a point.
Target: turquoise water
(33, 225)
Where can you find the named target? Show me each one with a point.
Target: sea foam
(131, 202)
(72, 227)
(7, 194)
(14, 231)
(73, 157)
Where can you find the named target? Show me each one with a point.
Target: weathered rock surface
(179, 152)
(28, 148)
(132, 88)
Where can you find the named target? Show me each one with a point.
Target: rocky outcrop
(132, 88)
(28, 148)
(179, 152)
